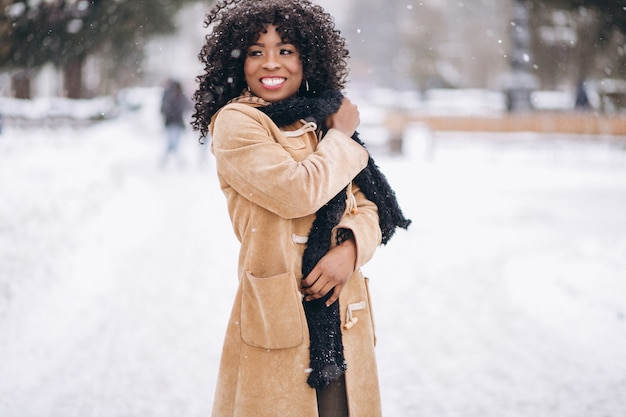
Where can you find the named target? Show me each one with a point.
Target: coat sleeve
(252, 162)
(363, 222)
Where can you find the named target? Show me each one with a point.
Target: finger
(312, 278)
(318, 292)
(313, 287)
(315, 292)
(335, 296)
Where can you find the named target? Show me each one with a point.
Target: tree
(66, 32)
(610, 13)
(578, 39)
(394, 46)
(428, 44)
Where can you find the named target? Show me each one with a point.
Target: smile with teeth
(273, 81)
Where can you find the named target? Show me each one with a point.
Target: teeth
(272, 81)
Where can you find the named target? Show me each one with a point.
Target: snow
(59, 108)
(506, 297)
(464, 102)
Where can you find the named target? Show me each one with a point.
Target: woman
(173, 105)
(300, 340)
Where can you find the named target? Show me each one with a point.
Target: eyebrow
(278, 44)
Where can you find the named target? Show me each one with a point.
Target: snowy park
(505, 298)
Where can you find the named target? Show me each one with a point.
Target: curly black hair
(236, 24)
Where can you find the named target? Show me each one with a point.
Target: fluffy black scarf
(326, 347)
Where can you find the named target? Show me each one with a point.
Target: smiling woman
(321, 48)
(304, 199)
(272, 68)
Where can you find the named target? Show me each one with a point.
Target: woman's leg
(332, 400)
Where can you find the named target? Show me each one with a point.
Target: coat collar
(249, 98)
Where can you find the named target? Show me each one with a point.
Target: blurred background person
(173, 105)
(582, 99)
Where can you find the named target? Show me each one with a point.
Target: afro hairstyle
(234, 25)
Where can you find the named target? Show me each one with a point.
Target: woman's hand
(332, 272)
(346, 119)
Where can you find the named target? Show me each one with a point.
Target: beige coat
(274, 182)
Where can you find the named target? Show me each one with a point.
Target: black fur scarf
(326, 347)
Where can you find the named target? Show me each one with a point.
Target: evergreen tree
(66, 32)
(611, 14)
(578, 39)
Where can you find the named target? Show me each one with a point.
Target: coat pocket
(271, 316)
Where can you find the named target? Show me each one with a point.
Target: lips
(273, 82)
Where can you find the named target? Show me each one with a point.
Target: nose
(271, 62)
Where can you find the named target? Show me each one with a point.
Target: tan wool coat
(274, 181)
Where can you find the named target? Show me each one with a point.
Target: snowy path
(123, 320)
(512, 298)
(506, 298)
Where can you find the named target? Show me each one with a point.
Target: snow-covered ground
(506, 298)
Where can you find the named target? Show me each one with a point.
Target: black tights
(332, 401)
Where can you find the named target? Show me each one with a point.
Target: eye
(255, 52)
(286, 51)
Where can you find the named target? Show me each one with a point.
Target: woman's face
(272, 68)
